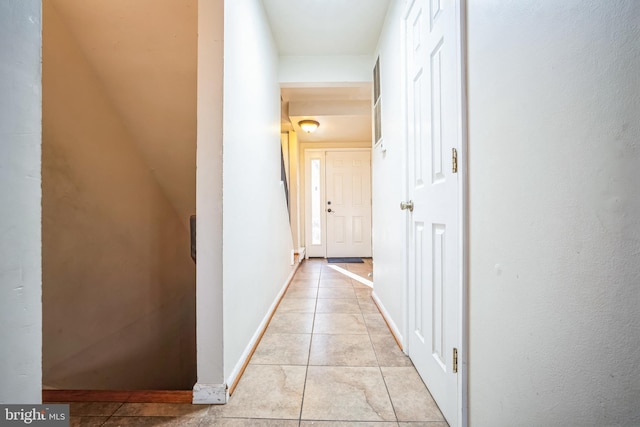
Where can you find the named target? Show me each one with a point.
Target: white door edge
(463, 378)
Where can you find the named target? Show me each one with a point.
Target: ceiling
(326, 27)
(344, 113)
(323, 28)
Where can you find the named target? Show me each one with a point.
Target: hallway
(326, 359)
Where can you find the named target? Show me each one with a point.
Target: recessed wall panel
(437, 298)
(357, 229)
(436, 11)
(436, 115)
(338, 189)
(418, 136)
(417, 31)
(418, 297)
(357, 190)
(339, 229)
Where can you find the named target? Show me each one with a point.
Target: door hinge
(454, 160)
(455, 360)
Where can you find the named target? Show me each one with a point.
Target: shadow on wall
(118, 280)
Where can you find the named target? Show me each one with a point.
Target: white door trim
(318, 250)
(463, 156)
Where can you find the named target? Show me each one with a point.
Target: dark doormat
(345, 260)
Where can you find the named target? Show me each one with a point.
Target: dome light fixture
(309, 126)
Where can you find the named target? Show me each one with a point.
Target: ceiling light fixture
(309, 126)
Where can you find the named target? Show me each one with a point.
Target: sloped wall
(118, 281)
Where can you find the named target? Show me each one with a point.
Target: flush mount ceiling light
(309, 126)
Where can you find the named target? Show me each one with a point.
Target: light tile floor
(327, 359)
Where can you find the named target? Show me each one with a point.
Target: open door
(434, 211)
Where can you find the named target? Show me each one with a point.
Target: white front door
(433, 89)
(348, 203)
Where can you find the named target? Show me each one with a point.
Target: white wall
(389, 178)
(344, 69)
(118, 280)
(210, 387)
(554, 102)
(20, 213)
(257, 240)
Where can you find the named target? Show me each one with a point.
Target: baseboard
(240, 367)
(210, 394)
(390, 323)
(130, 396)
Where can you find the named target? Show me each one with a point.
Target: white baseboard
(301, 253)
(248, 351)
(210, 394)
(392, 325)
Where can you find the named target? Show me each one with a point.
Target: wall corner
(210, 394)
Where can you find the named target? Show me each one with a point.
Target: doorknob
(407, 205)
(329, 210)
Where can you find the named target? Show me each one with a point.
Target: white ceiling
(322, 28)
(344, 113)
(326, 27)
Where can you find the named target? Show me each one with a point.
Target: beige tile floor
(327, 359)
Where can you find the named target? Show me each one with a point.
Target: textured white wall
(554, 107)
(118, 280)
(389, 178)
(257, 240)
(209, 192)
(20, 213)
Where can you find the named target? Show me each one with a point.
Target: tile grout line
(375, 352)
(113, 413)
(306, 372)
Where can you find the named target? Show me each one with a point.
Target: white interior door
(348, 203)
(433, 83)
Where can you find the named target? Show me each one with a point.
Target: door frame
(306, 195)
(463, 200)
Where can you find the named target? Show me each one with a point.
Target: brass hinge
(454, 160)
(455, 360)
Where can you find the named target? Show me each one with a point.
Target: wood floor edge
(130, 396)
